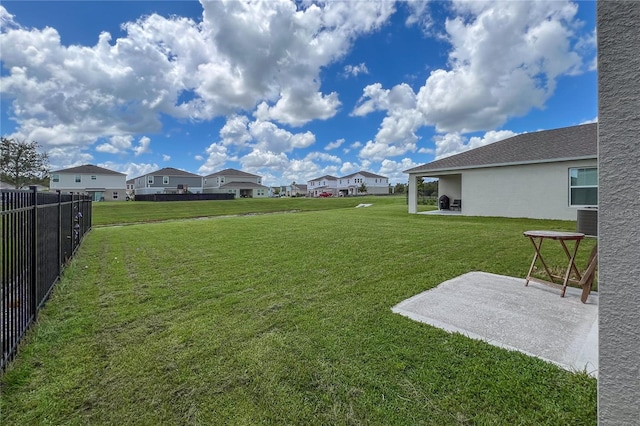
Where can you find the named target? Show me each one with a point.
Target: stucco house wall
(450, 185)
(538, 191)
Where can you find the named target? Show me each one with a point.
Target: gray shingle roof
(232, 172)
(88, 169)
(170, 171)
(537, 147)
(365, 174)
(324, 177)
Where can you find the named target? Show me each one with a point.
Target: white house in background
(351, 184)
(242, 184)
(326, 183)
(102, 184)
(543, 175)
(130, 187)
(168, 181)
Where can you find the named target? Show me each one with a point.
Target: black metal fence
(40, 233)
(183, 197)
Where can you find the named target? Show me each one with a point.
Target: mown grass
(147, 211)
(282, 319)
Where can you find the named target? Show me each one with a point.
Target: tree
(399, 188)
(363, 188)
(21, 163)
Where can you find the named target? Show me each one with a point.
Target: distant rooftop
(88, 169)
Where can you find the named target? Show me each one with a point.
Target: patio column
(413, 193)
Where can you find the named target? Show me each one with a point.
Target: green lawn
(147, 211)
(281, 319)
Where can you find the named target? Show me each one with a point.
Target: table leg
(536, 256)
(571, 265)
(589, 274)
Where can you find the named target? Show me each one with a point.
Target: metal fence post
(59, 239)
(34, 253)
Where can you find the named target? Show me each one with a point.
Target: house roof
(567, 143)
(89, 169)
(232, 172)
(169, 171)
(365, 174)
(241, 185)
(324, 177)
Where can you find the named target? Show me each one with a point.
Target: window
(55, 178)
(78, 178)
(583, 187)
(115, 195)
(150, 179)
(94, 177)
(165, 180)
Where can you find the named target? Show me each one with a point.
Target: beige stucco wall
(539, 191)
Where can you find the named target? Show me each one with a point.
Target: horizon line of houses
(108, 185)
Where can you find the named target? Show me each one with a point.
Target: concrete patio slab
(503, 312)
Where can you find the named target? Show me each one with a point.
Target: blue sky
(287, 90)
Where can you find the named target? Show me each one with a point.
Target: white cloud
(323, 157)
(455, 143)
(65, 157)
(237, 57)
(217, 156)
(257, 159)
(166, 157)
(505, 59)
(234, 131)
(297, 107)
(116, 145)
(198, 157)
(132, 170)
(334, 145)
(354, 70)
(397, 133)
(271, 138)
(419, 14)
(394, 169)
(377, 151)
(143, 147)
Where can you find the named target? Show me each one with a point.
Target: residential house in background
(298, 190)
(102, 184)
(168, 181)
(349, 185)
(326, 184)
(293, 190)
(353, 183)
(543, 175)
(242, 184)
(130, 188)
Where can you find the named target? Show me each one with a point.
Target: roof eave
(486, 166)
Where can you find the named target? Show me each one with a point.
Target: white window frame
(165, 180)
(77, 178)
(94, 177)
(55, 178)
(150, 179)
(571, 187)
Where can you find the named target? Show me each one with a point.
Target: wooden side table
(536, 238)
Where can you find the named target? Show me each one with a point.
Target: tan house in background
(232, 181)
